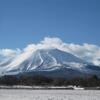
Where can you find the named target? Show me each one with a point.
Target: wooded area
(92, 81)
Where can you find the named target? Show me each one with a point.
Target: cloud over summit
(87, 52)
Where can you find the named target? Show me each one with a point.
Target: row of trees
(42, 80)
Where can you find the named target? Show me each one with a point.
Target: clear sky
(29, 21)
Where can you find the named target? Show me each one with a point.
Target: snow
(44, 60)
(49, 94)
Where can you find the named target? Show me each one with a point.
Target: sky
(29, 21)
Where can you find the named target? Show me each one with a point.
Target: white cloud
(9, 52)
(88, 52)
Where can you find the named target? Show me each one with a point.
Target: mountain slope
(50, 62)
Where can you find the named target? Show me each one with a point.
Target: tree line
(92, 81)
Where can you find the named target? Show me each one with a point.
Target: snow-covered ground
(49, 94)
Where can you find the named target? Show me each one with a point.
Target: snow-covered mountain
(52, 62)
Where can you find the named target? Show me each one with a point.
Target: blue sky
(29, 21)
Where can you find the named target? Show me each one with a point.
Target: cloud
(87, 52)
(9, 52)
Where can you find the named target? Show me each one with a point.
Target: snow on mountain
(44, 59)
(48, 60)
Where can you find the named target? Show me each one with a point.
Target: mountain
(48, 62)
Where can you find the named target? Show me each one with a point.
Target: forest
(38, 80)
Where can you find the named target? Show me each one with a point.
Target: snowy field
(49, 94)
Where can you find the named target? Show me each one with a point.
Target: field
(12, 94)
